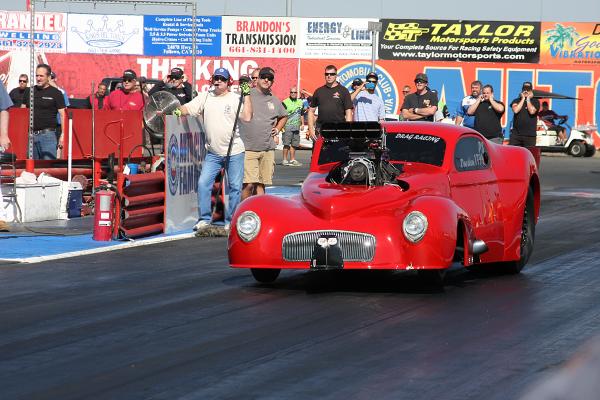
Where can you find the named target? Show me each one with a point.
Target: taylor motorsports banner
(260, 37)
(335, 38)
(49, 36)
(448, 40)
(570, 43)
(105, 34)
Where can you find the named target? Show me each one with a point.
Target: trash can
(74, 203)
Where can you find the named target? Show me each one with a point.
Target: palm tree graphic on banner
(561, 35)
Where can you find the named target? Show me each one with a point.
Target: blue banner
(171, 35)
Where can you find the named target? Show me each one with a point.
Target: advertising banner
(184, 148)
(335, 38)
(260, 37)
(447, 40)
(452, 82)
(105, 34)
(49, 31)
(69, 67)
(570, 43)
(171, 35)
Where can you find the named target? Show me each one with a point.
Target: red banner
(76, 72)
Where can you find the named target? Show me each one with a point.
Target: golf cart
(579, 143)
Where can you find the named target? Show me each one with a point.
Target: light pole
(374, 27)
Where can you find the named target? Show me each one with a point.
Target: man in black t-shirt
(488, 111)
(422, 104)
(333, 101)
(525, 108)
(17, 94)
(47, 102)
(175, 85)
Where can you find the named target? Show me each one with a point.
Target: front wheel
(577, 149)
(265, 275)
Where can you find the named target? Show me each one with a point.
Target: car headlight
(248, 225)
(415, 226)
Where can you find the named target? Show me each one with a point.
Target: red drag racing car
(395, 195)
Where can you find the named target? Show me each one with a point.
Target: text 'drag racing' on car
(395, 195)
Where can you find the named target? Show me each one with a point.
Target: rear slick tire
(265, 275)
(527, 237)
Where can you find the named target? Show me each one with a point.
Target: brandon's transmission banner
(447, 40)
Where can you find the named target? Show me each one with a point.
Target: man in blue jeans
(218, 109)
(48, 101)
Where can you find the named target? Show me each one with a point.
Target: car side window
(471, 154)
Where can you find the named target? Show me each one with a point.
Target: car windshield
(405, 147)
(416, 147)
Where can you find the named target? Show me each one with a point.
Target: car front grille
(356, 246)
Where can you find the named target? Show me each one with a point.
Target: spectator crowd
(243, 128)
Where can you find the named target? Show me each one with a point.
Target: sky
(506, 10)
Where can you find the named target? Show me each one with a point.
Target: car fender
(445, 219)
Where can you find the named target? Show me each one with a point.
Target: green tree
(561, 35)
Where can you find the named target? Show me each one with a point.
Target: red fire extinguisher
(104, 215)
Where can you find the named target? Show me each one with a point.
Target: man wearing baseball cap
(261, 134)
(175, 84)
(422, 104)
(217, 109)
(126, 98)
(525, 108)
(368, 106)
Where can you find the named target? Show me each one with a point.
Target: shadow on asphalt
(379, 281)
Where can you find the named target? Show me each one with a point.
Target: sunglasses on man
(219, 79)
(268, 77)
(128, 80)
(22, 81)
(330, 73)
(420, 81)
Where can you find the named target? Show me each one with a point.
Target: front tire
(265, 275)
(527, 237)
(577, 149)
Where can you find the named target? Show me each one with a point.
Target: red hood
(330, 201)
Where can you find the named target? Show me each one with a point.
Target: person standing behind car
(367, 105)
(174, 83)
(524, 127)
(260, 135)
(48, 101)
(333, 101)
(291, 134)
(462, 116)
(422, 104)
(488, 112)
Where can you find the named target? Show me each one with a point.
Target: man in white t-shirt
(217, 110)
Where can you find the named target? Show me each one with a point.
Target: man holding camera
(487, 112)
(525, 108)
(217, 108)
(174, 83)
